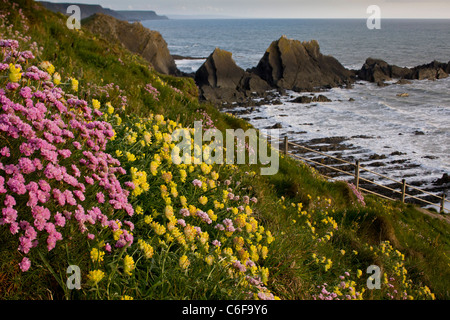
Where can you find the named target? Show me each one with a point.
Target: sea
(410, 132)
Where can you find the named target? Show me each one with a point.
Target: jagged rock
(221, 80)
(403, 81)
(294, 65)
(277, 126)
(430, 71)
(377, 70)
(306, 99)
(443, 180)
(136, 38)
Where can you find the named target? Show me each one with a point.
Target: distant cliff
(140, 15)
(88, 10)
(136, 38)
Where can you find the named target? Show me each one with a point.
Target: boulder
(307, 99)
(136, 38)
(430, 71)
(294, 65)
(221, 80)
(378, 71)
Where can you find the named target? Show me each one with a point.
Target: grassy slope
(424, 241)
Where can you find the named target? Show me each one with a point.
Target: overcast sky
(283, 8)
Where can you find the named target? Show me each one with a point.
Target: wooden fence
(402, 190)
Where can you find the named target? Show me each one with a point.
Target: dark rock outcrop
(136, 38)
(430, 71)
(378, 71)
(221, 80)
(294, 65)
(307, 99)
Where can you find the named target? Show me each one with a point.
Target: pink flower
(184, 212)
(25, 264)
(60, 221)
(9, 201)
(5, 152)
(100, 197)
(197, 183)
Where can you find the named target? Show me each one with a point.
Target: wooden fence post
(403, 190)
(357, 174)
(442, 202)
(286, 145)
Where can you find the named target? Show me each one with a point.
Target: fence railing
(402, 191)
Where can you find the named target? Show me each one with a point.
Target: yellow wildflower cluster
(192, 210)
(95, 276)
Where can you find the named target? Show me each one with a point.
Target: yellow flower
(14, 73)
(167, 176)
(183, 175)
(57, 78)
(183, 201)
(158, 228)
(147, 137)
(110, 108)
(74, 83)
(342, 251)
(130, 157)
(96, 104)
(97, 255)
(128, 265)
(184, 262)
(47, 66)
(146, 248)
(264, 252)
(209, 260)
(264, 275)
(139, 210)
(125, 297)
(203, 200)
(168, 211)
(154, 167)
(95, 276)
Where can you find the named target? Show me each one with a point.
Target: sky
(426, 9)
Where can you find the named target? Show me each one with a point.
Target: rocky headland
(136, 38)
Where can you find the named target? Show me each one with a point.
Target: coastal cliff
(88, 10)
(136, 38)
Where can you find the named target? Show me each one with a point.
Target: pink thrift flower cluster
(359, 196)
(54, 170)
(152, 90)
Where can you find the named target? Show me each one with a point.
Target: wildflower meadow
(93, 205)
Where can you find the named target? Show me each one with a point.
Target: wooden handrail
(358, 169)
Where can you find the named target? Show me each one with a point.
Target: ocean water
(388, 123)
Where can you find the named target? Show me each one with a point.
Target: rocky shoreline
(341, 147)
(298, 66)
